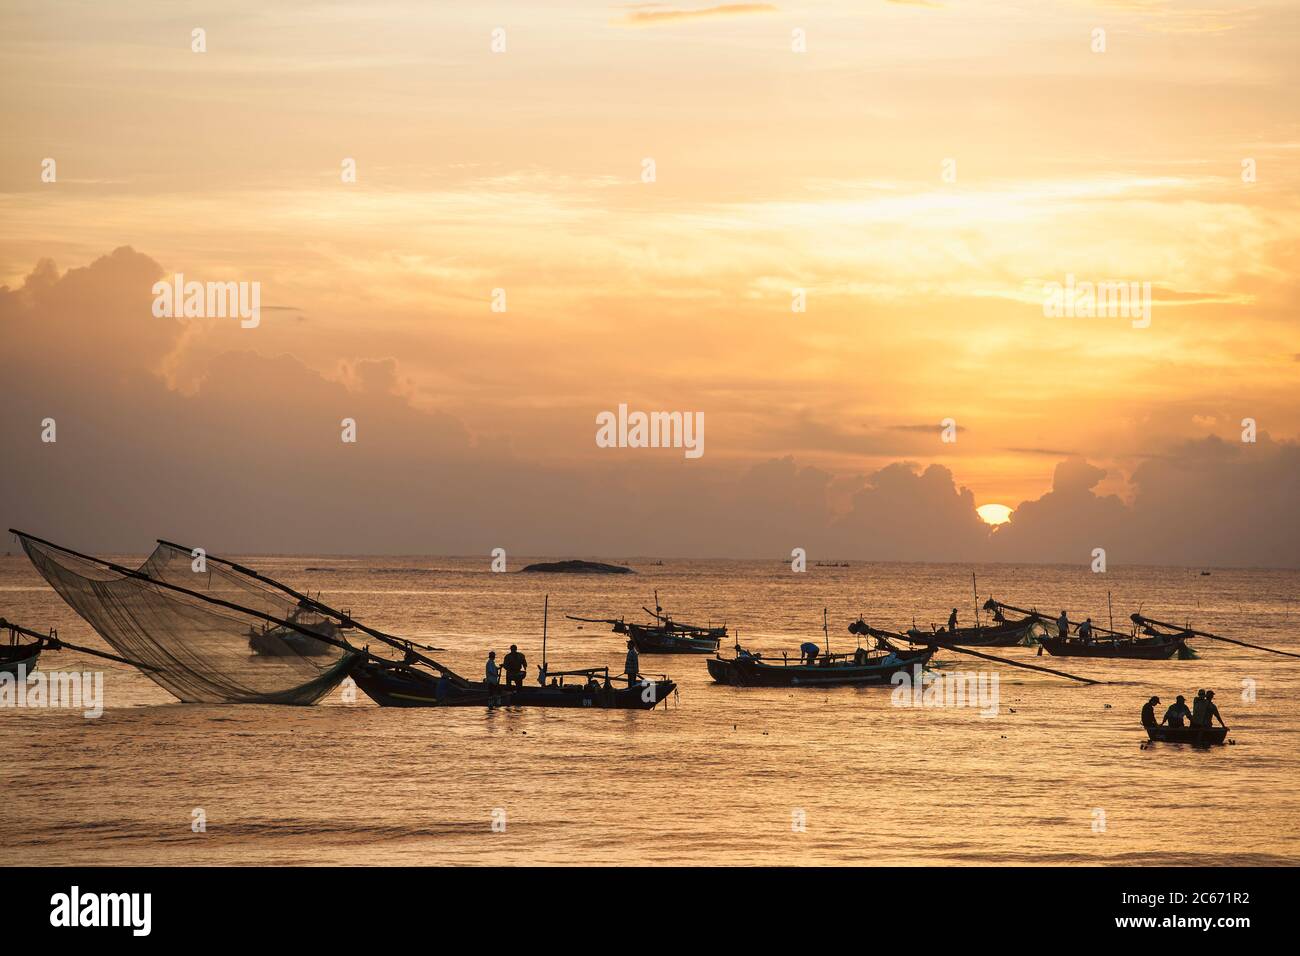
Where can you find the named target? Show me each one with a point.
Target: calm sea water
(1058, 776)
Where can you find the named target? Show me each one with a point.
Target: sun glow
(994, 514)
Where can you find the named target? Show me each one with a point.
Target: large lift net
(200, 651)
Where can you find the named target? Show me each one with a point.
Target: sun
(994, 514)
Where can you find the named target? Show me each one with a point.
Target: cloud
(651, 15)
(249, 458)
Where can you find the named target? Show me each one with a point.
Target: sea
(1055, 772)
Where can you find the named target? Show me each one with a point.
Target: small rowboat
(1196, 736)
(404, 685)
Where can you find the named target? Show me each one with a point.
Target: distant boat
(664, 636)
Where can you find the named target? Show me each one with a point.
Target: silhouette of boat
(1158, 648)
(287, 642)
(664, 636)
(24, 654)
(1003, 633)
(19, 653)
(862, 667)
(1196, 736)
(400, 685)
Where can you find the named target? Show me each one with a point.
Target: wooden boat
(672, 638)
(18, 655)
(862, 667)
(1158, 648)
(1196, 736)
(405, 685)
(664, 636)
(288, 642)
(1003, 633)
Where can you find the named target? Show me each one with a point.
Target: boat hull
(1128, 650)
(1196, 736)
(654, 640)
(1008, 634)
(750, 672)
(408, 687)
(22, 656)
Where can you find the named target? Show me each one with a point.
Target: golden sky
(775, 170)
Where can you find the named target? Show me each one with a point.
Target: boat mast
(826, 632)
(546, 607)
(976, 592)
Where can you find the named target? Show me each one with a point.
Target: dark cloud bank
(251, 461)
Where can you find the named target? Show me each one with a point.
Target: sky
(919, 174)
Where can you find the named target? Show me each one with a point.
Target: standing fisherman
(952, 622)
(1212, 711)
(1149, 712)
(633, 663)
(1085, 631)
(492, 675)
(1199, 717)
(1063, 626)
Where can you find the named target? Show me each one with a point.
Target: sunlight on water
(722, 776)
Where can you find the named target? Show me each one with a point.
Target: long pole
(546, 607)
(1110, 611)
(976, 591)
(826, 632)
(230, 605)
(54, 642)
(400, 643)
(987, 657)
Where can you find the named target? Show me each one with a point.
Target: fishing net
(200, 652)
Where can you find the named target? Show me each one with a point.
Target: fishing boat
(18, 654)
(405, 685)
(1158, 648)
(420, 682)
(862, 667)
(1156, 645)
(664, 636)
(283, 641)
(1002, 633)
(1196, 736)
